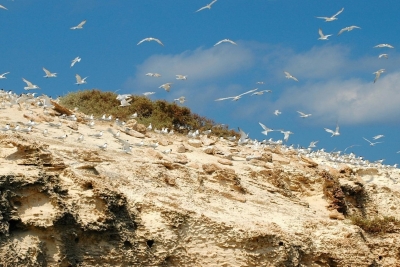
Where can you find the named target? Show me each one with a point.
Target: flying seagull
(383, 45)
(79, 26)
(49, 74)
(181, 99)
(148, 93)
(79, 80)
(376, 137)
(77, 59)
(277, 112)
(313, 144)
(151, 74)
(207, 6)
(290, 76)
(2, 76)
(286, 135)
(261, 92)
(322, 36)
(181, 77)
(30, 85)
(334, 133)
(166, 86)
(327, 19)
(150, 39)
(383, 55)
(350, 28)
(378, 74)
(265, 128)
(303, 115)
(3, 7)
(370, 143)
(236, 98)
(225, 41)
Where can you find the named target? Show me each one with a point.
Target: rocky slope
(207, 203)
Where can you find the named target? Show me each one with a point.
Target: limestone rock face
(133, 203)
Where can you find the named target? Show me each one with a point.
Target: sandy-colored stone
(194, 142)
(209, 150)
(225, 162)
(210, 168)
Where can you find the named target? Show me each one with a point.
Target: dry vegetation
(376, 225)
(160, 112)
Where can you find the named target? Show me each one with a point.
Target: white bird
(236, 98)
(30, 85)
(125, 103)
(49, 74)
(79, 26)
(79, 80)
(149, 127)
(148, 93)
(303, 115)
(277, 112)
(244, 138)
(98, 135)
(45, 132)
(75, 60)
(313, 143)
(225, 41)
(166, 86)
(322, 36)
(168, 151)
(350, 28)
(383, 45)
(334, 133)
(181, 99)
(116, 135)
(371, 143)
(383, 55)
(157, 75)
(259, 82)
(181, 77)
(290, 76)
(261, 92)
(327, 19)
(151, 39)
(26, 130)
(134, 115)
(103, 147)
(80, 138)
(266, 129)
(62, 137)
(378, 74)
(378, 136)
(56, 125)
(207, 6)
(286, 135)
(3, 7)
(2, 76)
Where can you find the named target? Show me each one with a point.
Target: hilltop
(174, 200)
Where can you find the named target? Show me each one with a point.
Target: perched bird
(383, 55)
(261, 92)
(62, 137)
(6, 128)
(181, 99)
(75, 60)
(290, 76)
(151, 39)
(166, 86)
(97, 135)
(378, 74)
(376, 137)
(181, 77)
(236, 98)
(168, 151)
(334, 133)
(265, 128)
(371, 143)
(225, 41)
(350, 28)
(303, 115)
(26, 130)
(116, 135)
(277, 112)
(383, 45)
(55, 125)
(49, 74)
(322, 36)
(206, 6)
(80, 138)
(2, 76)
(79, 80)
(134, 115)
(328, 19)
(45, 132)
(79, 26)
(149, 127)
(103, 147)
(30, 85)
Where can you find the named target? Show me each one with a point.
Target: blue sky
(335, 76)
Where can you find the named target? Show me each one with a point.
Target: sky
(335, 76)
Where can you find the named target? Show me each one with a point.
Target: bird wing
(294, 78)
(367, 140)
(210, 4)
(342, 30)
(377, 74)
(232, 42)
(243, 135)
(219, 42)
(287, 74)
(81, 24)
(321, 33)
(340, 11)
(249, 92)
(158, 41)
(301, 113)
(78, 78)
(47, 72)
(3, 7)
(28, 83)
(145, 39)
(264, 127)
(200, 9)
(329, 130)
(4, 73)
(322, 18)
(224, 98)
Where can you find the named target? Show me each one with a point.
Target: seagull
(63, 137)
(181, 99)
(261, 92)
(225, 41)
(181, 77)
(244, 138)
(30, 85)
(45, 132)
(77, 59)
(98, 135)
(286, 135)
(153, 74)
(3, 7)
(80, 138)
(277, 112)
(350, 28)
(327, 19)
(370, 143)
(2, 75)
(334, 133)
(207, 6)
(56, 125)
(313, 143)
(303, 115)
(383, 55)
(49, 74)
(168, 151)
(148, 93)
(236, 98)
(322, 36)
(259, 82)
(125, 103)
(290, 76)
(166, 86)
(79, 80)
(103, 147)
(383, 45)
(116, 135)
(150, 39)
(378, 136)
(266, 129)
(79, 26)
(378, 74)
